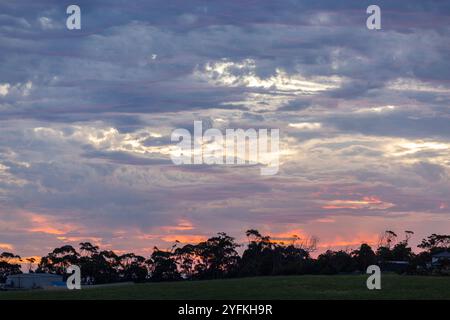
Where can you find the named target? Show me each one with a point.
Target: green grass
(282, 287)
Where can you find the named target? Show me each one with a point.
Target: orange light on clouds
(370, 202)
(23, 260)
(47, 229)
(184, 238)
(287, 236)
(342, 242)
(181, 226)
(325, 220)
(6, 246)
(174, 233)
(43, 224)
(95, 240)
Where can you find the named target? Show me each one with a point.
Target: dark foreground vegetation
(280, 287)
(218, 258)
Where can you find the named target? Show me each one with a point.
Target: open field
(282, 287)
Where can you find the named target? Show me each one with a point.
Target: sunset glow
(87, 117)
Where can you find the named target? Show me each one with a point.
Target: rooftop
(441, 254)
(34, 275)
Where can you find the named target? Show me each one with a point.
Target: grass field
(282, 287)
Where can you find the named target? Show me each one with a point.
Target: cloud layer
(86, 118)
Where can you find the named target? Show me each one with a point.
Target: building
(394, 266)
(34, 281)
(438, 258)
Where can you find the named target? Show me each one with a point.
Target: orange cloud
(286, 236)
(340, 242)
(43, 224)
(325, 220)
(174, 233)
(370, 202)
(23, 260)
(94, 240)
(184, 238)
(6, 246)
(181, 226)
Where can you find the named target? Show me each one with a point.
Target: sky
(86, 118)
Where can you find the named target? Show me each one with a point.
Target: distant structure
(440, 258)
(394, 266)
(34, 281)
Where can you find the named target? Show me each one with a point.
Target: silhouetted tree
(436, 243)
(385, 243)
(257, 259)
(401, 252)
(30, 261)
(387, 239)
(264, 257)
(58, 260)
(364, 257)
(107, 267)
(9, 265)
(133, 267)
(163, 266)
(408, 235)
(217, 257)
(384, 254)
(186, 258)
(88, 250)
(332, 262)
(88, 261)
(290, 260)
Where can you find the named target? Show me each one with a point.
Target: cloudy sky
(86, 117)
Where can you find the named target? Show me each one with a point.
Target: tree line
(218, 257)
